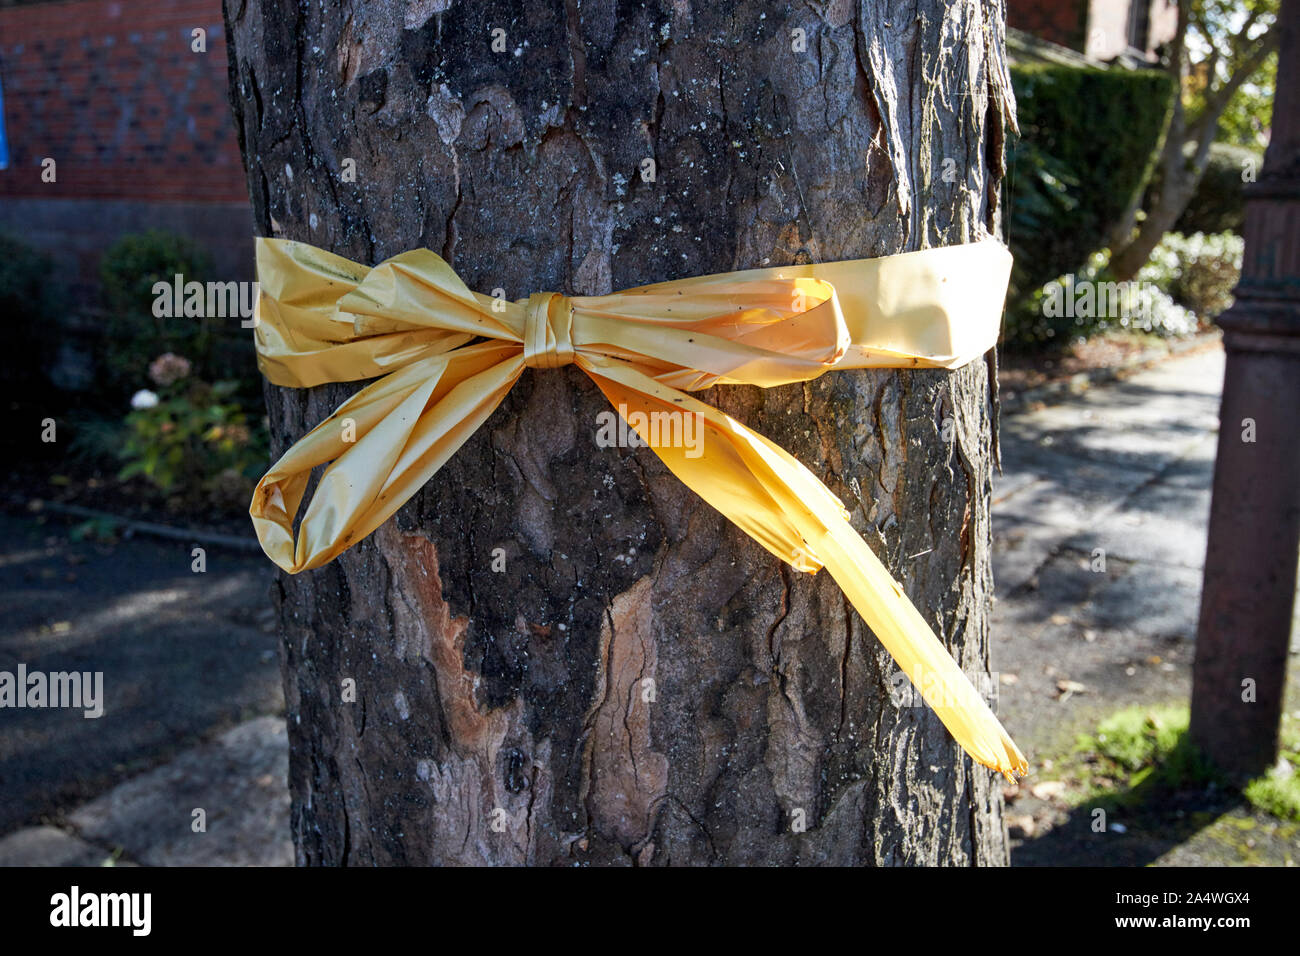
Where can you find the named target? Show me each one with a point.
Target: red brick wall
(1060, 21)
(111, 90)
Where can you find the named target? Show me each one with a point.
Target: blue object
(4, 140)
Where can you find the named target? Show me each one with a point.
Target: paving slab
(235, 786)
(50, 846)
(1161, 524)
(1020, 547)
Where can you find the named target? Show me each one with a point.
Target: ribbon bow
(447, 357)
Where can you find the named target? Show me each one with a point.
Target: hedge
(1087, 144)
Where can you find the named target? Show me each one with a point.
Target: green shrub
(31, 307)
(191, 440)
(1087, 145)
(1198, 271)
(1145, 305)
(133, 334)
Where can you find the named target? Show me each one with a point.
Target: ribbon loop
(548, 331)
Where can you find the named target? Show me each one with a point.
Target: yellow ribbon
(446, 356)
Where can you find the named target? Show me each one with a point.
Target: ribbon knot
(443, 357)
(548, 328)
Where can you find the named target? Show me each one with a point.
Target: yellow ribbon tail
(917, 651)
(777, 501)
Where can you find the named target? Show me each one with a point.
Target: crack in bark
(774, 652)
(844, 663)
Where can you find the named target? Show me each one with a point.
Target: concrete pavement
(1099, 526)
(184, 656)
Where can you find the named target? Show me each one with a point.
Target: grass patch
(1278, 791)
(1279, 797)
(1138, 753)
(1148, 747)
(1133, 790)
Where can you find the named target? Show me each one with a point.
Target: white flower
(144, 399)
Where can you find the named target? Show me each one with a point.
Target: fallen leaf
(1048, 789)
(1065, 689)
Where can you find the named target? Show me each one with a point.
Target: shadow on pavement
(183, 655)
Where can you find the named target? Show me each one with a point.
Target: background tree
(1220, 47)
(641, 682)
(1246, 118)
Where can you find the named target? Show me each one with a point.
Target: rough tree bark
(514, 701)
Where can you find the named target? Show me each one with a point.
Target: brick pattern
(112, 91)
(1058, 21)
(1098, 28)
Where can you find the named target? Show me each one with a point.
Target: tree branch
(1218, 101)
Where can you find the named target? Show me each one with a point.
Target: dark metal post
(1250, 564)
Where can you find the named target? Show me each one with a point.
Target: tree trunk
(1176, 190)
(641, 683)
(1179, 177)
